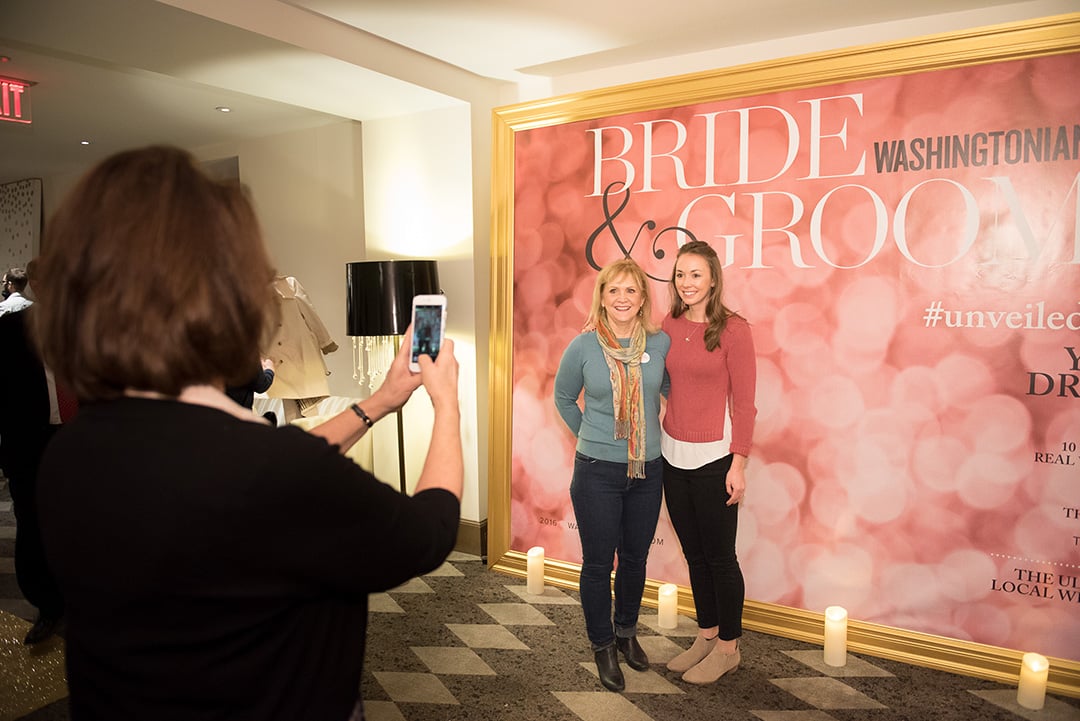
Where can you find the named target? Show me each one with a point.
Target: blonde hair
(617, 269)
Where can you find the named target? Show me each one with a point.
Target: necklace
(692, 331)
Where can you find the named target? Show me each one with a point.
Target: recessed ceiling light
(84, 142)
(223, 109)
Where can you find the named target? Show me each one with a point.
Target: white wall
(419, 204)
(53, 190)
(309, 194)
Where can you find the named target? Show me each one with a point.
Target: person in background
(30, 413)
(616, 487)
(712, 375)
(15, 281)
(244, 395)
(213, 566)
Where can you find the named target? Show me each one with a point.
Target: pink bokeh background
(894, 466)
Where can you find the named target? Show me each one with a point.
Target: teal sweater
(583, 367)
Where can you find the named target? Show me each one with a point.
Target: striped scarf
(624, 366)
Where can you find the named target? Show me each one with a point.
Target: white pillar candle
(534, 583)
(669, 606)
(1031, 692)
(835, 636)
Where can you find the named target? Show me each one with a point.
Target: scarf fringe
(635, 469)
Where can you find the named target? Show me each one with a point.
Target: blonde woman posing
(616, 488)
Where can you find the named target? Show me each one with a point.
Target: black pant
(696, 501)
(32, 570)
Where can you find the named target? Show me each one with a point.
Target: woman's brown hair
(154, 277)
(716, 313)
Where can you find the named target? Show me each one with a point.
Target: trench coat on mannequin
(298, 346)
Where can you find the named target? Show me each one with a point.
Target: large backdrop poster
(907, 251)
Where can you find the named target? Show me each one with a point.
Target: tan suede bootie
(693, 655)
(713, 666)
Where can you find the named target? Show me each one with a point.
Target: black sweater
(219, 569)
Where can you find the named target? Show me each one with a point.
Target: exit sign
(15, 100)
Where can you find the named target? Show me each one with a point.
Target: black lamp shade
(379, 293)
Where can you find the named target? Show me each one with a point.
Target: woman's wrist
(376, 406)
(362, 415)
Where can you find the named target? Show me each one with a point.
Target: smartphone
(428, 326)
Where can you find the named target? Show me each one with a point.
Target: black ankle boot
(607, 663)
(634, 653)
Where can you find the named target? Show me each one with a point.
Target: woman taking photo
(213, 566)
(616, 488)
(712, 372)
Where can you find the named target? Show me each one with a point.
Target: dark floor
(467, 643)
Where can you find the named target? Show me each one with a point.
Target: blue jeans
(614, 514)
(706, 527)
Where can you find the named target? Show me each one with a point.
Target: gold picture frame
(981, 46)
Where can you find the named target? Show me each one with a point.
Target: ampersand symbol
(609, 224)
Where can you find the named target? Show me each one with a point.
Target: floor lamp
(378, 306)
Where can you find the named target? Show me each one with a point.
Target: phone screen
(427, 331)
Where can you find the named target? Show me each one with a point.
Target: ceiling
(124, 73)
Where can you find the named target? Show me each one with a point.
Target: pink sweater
(701, 383)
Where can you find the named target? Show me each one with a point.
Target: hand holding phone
(428, 327)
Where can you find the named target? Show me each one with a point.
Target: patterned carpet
(466, 643)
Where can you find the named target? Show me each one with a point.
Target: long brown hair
(154, 277)
(716, 313)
